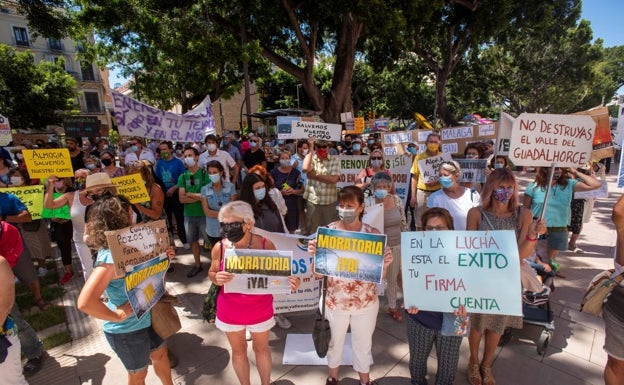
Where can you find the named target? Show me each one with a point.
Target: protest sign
(601, 192)
(445, 269)
(603, 142)
(5, 131)
(132, 187)
(544, 139)
(349, 254)
(472, 170)
(258, 271)
(319, 130)
(145, 284)
(135, 118)
(429, 167)
(136, 244)
(395, 142)
(358, 125)
(455, 139)
(81, 125)
(46, 162)
(381, 125)
(284, 126)
(31, 196)
(503, 137)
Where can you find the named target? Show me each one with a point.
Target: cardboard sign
(31, 196)
(46, 162)
(472, 170)
(543, 139)
(429, 167)
(145, 284)
(395, 142)
(258, 271)
(358, 125)
(132, 187)
(478, 269)
(325, 131)
(349, 254)
(5, 131)
(136, 244)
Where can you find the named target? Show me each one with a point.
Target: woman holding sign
(132, 339)
(499, 210)
(237, 312)
(351, 302)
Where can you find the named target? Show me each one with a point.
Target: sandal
(42, 304)
(396, 314)
(474, 374)
(487, 377)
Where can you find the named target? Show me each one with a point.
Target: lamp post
(298, 104)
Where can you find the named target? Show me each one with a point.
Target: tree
(33, 96)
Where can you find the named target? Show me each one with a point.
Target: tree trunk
(442, 110)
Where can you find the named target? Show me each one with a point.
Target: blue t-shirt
(10, 204)
(116, 293)
(169, 171)
(558, 210)
(215, 202)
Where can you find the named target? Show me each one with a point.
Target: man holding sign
(421, 188)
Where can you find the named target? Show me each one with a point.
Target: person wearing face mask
(75, 152)
(168, 170)
(351, 302)
(189, 188)
(255, 155)
(266, 213)
(356, 147)
(420, 188)
(499, 210)
(394, 224)
(376, 163)
(322, 172)
(214, 196)
(287, 180)
(347, 147)
(232, 147)
(92, 163)
(60, 223)
(237, 312)
(213, 153)
(297, 161)
(137, 152)
(565, 183)
(457, 199)
(101, 145)
(107, 158)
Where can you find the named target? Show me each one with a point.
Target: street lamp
(298, 85)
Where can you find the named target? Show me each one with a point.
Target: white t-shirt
(146, 154)
(223, 157)
(457, 207)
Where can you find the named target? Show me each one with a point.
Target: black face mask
(233, 231)
(99, 196)
(107, 162)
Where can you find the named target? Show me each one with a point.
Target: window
(87, 71)
(67, 64)
(21, 36)
(92, 100)
(55, 45)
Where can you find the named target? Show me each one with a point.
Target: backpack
(599, 288)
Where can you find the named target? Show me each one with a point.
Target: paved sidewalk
(574, 356)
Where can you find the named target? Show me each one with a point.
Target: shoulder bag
(599, 288)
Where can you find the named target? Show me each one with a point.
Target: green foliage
(24, 85)
(53, 315)
(57, 339)
(47, 17)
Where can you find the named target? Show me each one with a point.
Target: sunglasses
(376, 158)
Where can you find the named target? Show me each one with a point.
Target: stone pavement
(574, 356)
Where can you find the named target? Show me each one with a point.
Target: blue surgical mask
(91, 166)
(445, 181)
(381, 193)
(284, 162)
(376, 163)
(260, 194)
(356, 147)
(252, 144)
(411, 150)
(215, 178)
(280, 141)
(370, 141)
(498, 165)
(134, 148)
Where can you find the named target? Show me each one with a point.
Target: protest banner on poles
(319, 130)
(349, 254)
(542, 140)
(429, 167)
(145, 284)
(46, 162)
(258, 271)
(136, 244)
(132, 187)
(478, 269)
(135, 118)
(30, 196)
(5, 131)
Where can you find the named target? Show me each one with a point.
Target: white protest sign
(472, 170)
(429, 167)
(445, 269)
(135, 118)
(5, 131)
(543, 139)
(258, 271)
(503, 137)
(319, 130)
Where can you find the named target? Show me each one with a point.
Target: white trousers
(11, 368)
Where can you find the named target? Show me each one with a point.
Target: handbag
(322, 332)
(599, 288)
(209, 311)
(165, 319)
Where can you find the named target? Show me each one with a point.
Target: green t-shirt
(193, 183)
(60, 213)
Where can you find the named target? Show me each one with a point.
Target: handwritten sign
(46, 162)
(503, 136)
(145, 284)
(358, 125)
(136, 244)
(135, 118)
(5, 131)
(325, 131)
(445, 269)
(472, 170)
(132, 187)
(349, 254)
(395, 142)
(429, 167)
(258, 271)
(543, 139)
(30, 196)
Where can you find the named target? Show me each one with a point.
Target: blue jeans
(32, 347)
(133, 348)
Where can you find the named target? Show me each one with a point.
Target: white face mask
(212, 147)
(190, 161)
(17, 180)
(305, 152)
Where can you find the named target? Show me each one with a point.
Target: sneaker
(33, 365)
(247, 335)
(194, 271)
(187, 246)
(331, 381)
(66, 278)
(282, 321)
(42, 272)
(573, 248)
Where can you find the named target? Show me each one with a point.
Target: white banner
(325, 131)
(135, 118)
(429, 167)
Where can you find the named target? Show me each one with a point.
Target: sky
(606, 18)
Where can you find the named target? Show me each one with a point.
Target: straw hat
(98, 180)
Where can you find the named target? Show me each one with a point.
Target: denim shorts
(195, 228)
(134, 348)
